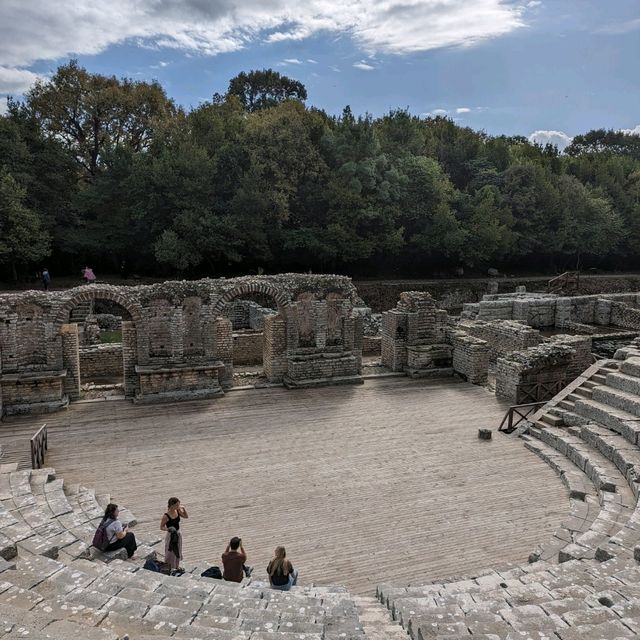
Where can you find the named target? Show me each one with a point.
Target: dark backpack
(212, 572)
(158, 566)
(100, 537)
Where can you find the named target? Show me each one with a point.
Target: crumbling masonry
(178, 343)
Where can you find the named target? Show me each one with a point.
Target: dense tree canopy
(106, 170)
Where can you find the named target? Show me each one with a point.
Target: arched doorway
(257, 316)
(98, 329)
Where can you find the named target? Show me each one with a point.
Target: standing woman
(171, 524)
(282, 575)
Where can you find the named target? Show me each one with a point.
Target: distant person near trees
(46, 278)
(88, 276)
(233, 561)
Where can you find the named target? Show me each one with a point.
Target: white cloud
(558, 138)
(16, 81)
(45, 30)
(632, 132)
(335, 69)
(463, 110)
(312, 61)
(3, 106)
(292, 61)
(363, 66)
(438, 112)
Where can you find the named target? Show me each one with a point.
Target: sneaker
(248, 571)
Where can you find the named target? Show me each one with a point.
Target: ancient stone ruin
(177, 342)
(413, 337)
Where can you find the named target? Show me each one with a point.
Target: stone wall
(451, 294)
(535, 374)
(502, 336)
(39, 392)
(100, 361)
(247, 348)
(470, 357)
(246, 314)
(581, 358)
(176, 344)
(414, 336)
(371, 345)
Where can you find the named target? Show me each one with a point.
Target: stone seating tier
(54, 585)
(584, 583)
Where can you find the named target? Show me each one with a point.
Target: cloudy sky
(556, 67)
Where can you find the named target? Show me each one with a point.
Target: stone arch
(263, 288)
(96, 292)
(70, 346)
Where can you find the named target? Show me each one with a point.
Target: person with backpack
(171, 524)
(112, 534)
(282, 575)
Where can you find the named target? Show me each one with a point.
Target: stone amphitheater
(536, 356)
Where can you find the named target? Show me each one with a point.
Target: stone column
(223, 338)
(130, 358)
(71, 359)
(274, 359)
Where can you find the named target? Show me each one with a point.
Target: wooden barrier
(517, 414)
(39, 446)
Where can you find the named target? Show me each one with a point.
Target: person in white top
(118, 533)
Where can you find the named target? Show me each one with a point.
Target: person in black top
(171, 524)
(282, 575)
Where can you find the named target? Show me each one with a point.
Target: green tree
(487, 223)
(590, 226)
(91, 113)
(532, 197)
(22, 237)
(431, 229)
(262, 89)
(601, 141)
(362, 190)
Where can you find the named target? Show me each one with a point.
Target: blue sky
(503, 66)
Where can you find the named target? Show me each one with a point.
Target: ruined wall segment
(176, 342)
(414, 337)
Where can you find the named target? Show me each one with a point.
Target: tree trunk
(14, 271)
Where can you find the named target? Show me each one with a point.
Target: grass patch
(109, 337)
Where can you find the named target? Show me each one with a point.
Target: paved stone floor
(363, 484)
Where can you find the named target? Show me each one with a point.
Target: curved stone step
(617, 398)
(631, 367)
(624, 423)
(624, 382)
(617, 501)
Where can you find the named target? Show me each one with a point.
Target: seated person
(233, 561)
(282, 575)
(118, 534)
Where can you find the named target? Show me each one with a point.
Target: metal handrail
(39, 446)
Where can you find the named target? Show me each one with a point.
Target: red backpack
(100, 537)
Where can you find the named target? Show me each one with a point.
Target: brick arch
(96, 292)
(281, 298)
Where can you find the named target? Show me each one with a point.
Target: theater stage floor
(385, 482)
